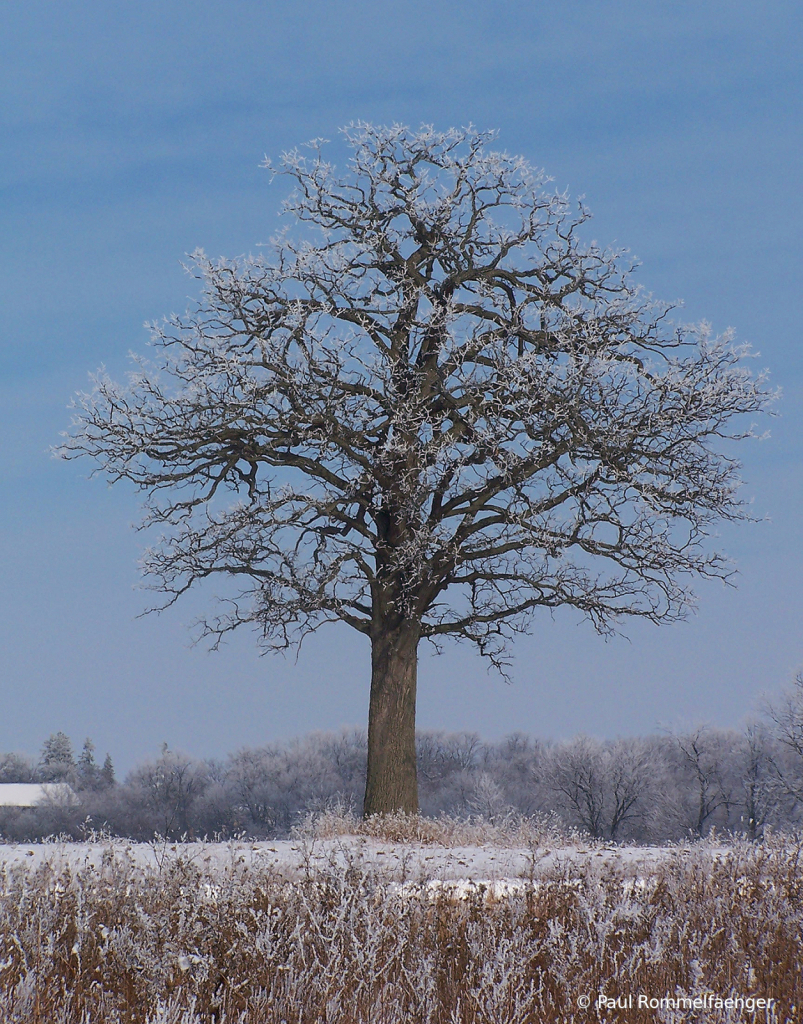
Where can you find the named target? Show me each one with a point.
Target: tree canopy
(430, 410)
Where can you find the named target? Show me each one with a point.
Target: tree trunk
(391, 783)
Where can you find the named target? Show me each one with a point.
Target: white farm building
(37, 794)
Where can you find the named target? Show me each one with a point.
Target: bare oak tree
(431, 412)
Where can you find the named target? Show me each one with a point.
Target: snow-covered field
(289, 859)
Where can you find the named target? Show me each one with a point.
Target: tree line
(659, 788)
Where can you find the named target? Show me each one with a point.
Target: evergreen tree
(88, 770)
(107, 773)
(57, 762)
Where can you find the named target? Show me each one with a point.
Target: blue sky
(133, 133)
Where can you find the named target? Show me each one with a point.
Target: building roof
(36, 794)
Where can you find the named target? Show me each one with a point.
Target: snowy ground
(403, 862)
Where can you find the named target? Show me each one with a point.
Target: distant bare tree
(160, 794)
(447, 770)
(630, 773)
(709, 784)
(441, 753)
(272, 787)
(759, 785)
(488, 798)
(516, 764)
(346, 752)
(436, 413)
(603, 785)
(16, 768)
(786, 715)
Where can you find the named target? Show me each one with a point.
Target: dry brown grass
(509, 831)
(188, 943)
